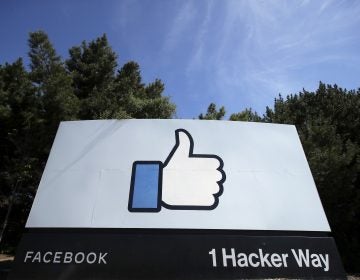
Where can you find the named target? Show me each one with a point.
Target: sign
(140, 199)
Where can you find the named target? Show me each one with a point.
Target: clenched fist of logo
(184, 181)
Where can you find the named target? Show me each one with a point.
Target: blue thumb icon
(145, 188)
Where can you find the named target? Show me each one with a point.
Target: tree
(106, 95)
(246, 115)
(212, 113)
(53, 85)
(139, 100)
(19, 165)
(92, 67)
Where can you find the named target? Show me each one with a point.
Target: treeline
(90, 85)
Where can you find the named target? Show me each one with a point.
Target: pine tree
(212, 113)
(54, 86)
(92, 66)
(105, 95)
(140, 100)
(246, 115)
(19, 163)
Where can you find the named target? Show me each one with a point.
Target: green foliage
(32, 104)
(20, 166)
(106, 95)
(53, 85)
(92, 66)
(212, 113)
(44, 60)
(139, 100)
(246, 115)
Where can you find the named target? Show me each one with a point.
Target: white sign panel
(185, 174)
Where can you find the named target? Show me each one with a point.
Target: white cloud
(121, 17)
(180, 24)
(265, 43)
(244, 52)
(196, 59)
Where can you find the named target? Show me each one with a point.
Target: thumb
(184, 142)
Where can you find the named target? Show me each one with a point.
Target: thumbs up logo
(185, 181)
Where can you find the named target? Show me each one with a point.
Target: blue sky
(233, 53)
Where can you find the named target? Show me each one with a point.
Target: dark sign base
(175, 254)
